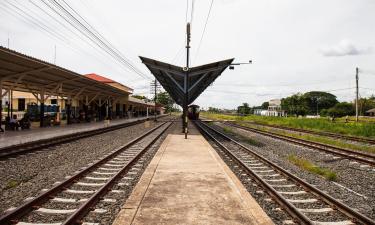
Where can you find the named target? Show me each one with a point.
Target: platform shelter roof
(171, 77)
(20, 72)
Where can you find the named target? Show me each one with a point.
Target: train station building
(52, 95)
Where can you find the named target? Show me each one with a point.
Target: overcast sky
(295, 45)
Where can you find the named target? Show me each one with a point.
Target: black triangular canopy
(171, 77)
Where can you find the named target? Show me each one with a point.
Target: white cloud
(344, 48)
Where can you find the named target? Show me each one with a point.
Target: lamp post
(231, 66)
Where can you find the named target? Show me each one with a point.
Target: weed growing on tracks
(11, 184)
(248, 140)
(311, 167)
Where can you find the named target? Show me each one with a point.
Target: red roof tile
(99, 78)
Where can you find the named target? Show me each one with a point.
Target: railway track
(326, 134)
(79, 194)
(305, 203)
(45, 143)
(341, 152)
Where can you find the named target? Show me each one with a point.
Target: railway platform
(188, 183)
(11, 138)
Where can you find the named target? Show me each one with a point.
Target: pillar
(85, 109)
(106, 109)
(41, 109)
(1, 106)
(68, 110)
(100, 109)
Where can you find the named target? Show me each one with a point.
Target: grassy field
(315, 138)
(361, 129)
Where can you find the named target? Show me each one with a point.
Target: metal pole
(41, 116)
(1, 105)
(155, 100)
(356, 98)
(8, 103)
(11, 103)
(187, 80)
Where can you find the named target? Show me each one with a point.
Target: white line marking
(350, 190)
(55, 211)
(322, 210)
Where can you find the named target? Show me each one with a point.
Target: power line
(84, 28)
(204, 30)
(28, 18)
(192, 13)
(89, 33)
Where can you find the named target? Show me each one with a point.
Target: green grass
(360, 129)
(311, 167)
(11, 184)
(227, 130)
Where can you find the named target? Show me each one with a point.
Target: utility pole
(356, 97)
(186, 82)
(154, 89)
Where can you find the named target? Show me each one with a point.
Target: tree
(244, 109)
(165, 99)
(213, 109)
(342, 109)
(265, 105)
(140, 97)
(365, 104)
(317, 100)
(295, 104)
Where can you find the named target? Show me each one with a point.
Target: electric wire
(204, 30)
(89, 34)
(79, 26)
(30, 17)
(75, 34)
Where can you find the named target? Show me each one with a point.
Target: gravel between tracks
(25, 175)
(358, 179)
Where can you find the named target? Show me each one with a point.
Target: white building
(274, 109)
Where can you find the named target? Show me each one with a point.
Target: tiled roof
(99, 78)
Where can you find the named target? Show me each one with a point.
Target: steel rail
(291, 209)
(85, 208)
(15, 150)
(12, 216)
(354, 215)
(346, 153)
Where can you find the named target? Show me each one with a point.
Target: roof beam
(7, 77)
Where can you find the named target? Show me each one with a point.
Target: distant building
(370, 112)
(274, 109)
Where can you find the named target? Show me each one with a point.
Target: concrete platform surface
(188, 183)
(10, 138)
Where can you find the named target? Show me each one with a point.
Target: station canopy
(171, 77)
(24, 73)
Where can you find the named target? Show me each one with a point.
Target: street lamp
(231, 66)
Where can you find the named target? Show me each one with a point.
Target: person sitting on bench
(14, 124)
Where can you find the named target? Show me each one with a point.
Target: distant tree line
(314, 103)
(324, 104)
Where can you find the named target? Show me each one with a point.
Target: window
(53, 101)
(21, 104)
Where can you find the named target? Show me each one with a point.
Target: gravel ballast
(26, 175)
(355, 184)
